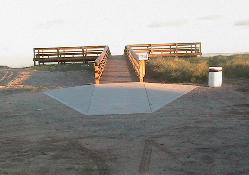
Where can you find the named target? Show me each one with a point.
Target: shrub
(63, 67)
(237, 66)
(195, 70)
(177, 70)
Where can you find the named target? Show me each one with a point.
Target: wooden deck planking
(118, 70)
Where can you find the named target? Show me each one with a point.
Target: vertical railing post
(34, 58)
(39, 57)
(200, 49)
(58, 53)
(83, 54)
(176, 50)
(150, 51)
(141, 70)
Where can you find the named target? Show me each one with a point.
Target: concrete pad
(119, 98)
(160, 95)
(78, 98)
(123, 98)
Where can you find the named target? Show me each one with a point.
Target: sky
(221, 25)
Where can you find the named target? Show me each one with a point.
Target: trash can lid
(215, 69)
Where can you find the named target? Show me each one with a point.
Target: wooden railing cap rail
(138, 65)
(103, 46)
(55, 48)
(163, 44)
(77, 47)
(100, 63)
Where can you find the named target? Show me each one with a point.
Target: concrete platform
(119, 98)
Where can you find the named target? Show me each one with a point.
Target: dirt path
(204, 132)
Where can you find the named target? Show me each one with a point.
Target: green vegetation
(234, 66)
(195, 70)
(63, 67)
(9, 91)
(4, 67)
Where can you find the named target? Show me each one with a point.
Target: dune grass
(3, 67)
(63, 67)
(195, 70)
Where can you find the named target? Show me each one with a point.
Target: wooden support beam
(141, 70)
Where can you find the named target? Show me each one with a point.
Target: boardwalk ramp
(118, 70)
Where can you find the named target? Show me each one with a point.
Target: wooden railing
(67, 54)
(100, 63)
(138, 65)
(169, 50)
(159, 50)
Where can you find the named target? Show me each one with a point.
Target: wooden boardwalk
(118, 70)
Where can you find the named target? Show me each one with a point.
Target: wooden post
(143, 62)
(83, 53)
(125, 51)
(141, 70)
(150, 49)
(58, 54)
(176, 51)
(34, 57)
(200, 50)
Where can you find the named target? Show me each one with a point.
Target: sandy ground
(204, 132)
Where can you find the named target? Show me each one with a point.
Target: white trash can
(215, 77)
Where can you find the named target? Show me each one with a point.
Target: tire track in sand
(19, 80)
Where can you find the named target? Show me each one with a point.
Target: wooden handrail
(67, 54)
(138, 65)
(100, 62)
(159, 50)
(169, 49)
(96, 54)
